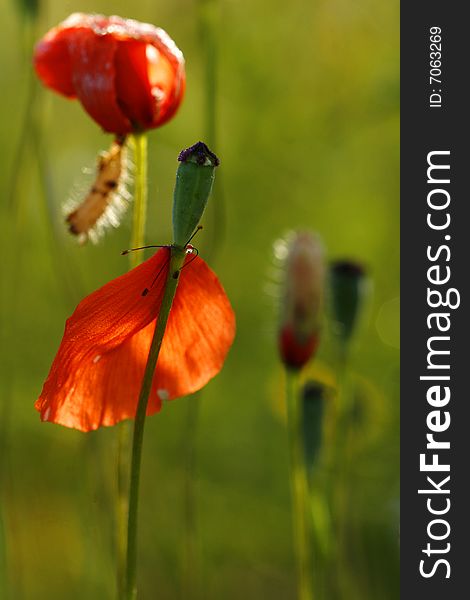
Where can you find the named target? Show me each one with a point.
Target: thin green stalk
(209, 25)
(124, 431)
(140, 197)
(208, 16)
(190, 576)
(336, 479)
(176, 262)
(122, 506)
(298, 489)
(29, 152)
(3, 557)
(342, 469)
(70, 282)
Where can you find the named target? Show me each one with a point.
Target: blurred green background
(308, 136)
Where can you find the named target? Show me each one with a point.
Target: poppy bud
(128, 76)
(348, 288)
(194, 179)
(313, 404)
(302, 300)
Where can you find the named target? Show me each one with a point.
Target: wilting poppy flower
(96, 376)
(129, 76)
(302, 299)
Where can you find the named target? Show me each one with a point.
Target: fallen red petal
(96, 375)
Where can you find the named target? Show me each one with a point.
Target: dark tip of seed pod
(200, 154)
(348, 267)
(313, 391)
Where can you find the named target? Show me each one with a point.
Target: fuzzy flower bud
(194, 179)
(302, 300)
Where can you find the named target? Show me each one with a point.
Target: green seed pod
(194, 179)
(313, 400)
(348, 288)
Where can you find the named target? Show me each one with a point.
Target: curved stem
(124, 431)
(298, 489)
(176, 262)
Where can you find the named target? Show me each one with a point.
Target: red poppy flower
(96, 376)
(129, 76)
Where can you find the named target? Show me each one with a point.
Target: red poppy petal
(96, 376)
(164, 71)
(133, 87)
(198, 336)
(52, 62)
(167, 78)
(94, 78)
(101, 322)
(168, 89)
(102, 390)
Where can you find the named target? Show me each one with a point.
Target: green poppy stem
(140, 197)
(208, 17)
(178, 255)
(122, 507)
(208, 22)
(125, 428)
(191, 558)
(340, 470)
(298, 489)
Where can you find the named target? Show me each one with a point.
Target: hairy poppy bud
(128, 76)
(302, 300)
(194, 180)
(313, 404)
(347, 289)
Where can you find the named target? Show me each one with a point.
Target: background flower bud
(194, 179)
(348, 286)
(302, 299)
